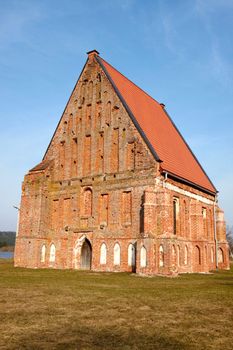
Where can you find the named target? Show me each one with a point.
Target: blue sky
(179, 51)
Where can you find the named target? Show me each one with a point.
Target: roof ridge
(146, 93)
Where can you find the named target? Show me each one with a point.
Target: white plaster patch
(177, 189)
(77, 250)
(79, 244)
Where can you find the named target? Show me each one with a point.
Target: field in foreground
(54, 309)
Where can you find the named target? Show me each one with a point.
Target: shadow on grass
(65, 309)
(90, 338)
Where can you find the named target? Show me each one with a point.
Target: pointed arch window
(117, 254)
(52, 253)
(143, 257)
(43, 252)
(161, 256)
(103, 254)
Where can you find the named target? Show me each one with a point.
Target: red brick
(100, 183)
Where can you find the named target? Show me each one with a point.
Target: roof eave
(190, 183)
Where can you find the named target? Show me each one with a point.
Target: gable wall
(96, 147)
(98, 154)
(95, 125)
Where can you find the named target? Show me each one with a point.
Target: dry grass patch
(54, 309)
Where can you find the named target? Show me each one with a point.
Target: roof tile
(176, 156)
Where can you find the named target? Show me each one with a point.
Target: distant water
(6, 255)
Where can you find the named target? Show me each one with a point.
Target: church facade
(118, 188)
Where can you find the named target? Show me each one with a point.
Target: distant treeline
(7, 238)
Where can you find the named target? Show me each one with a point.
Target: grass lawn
(67, 309)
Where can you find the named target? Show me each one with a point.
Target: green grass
(66, 309)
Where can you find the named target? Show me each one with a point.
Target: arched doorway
(86, 255)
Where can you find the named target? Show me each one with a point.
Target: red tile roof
(164, 138)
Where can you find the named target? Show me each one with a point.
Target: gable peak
(92, 53)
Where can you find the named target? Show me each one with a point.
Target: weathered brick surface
(99, 183)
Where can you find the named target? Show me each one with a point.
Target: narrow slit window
(175, 214)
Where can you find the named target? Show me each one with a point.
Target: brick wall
(101, 185)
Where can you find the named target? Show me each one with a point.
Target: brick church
(118, 188)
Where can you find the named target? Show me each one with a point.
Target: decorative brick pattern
(99, 200)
